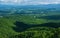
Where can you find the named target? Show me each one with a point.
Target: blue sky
(29, 2)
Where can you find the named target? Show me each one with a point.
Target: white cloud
(3, 1)
(30, 2)
(15, 1)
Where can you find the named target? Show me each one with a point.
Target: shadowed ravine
(20, 26)
(52, 17)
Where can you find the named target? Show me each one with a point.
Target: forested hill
(25, 26)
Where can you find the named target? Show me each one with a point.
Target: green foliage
(7, 27)
(43, 32)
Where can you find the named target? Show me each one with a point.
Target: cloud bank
(29, 2)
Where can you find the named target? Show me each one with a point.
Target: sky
(29, 2)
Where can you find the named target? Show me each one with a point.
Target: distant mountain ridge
(33, 6)
(27, 9)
